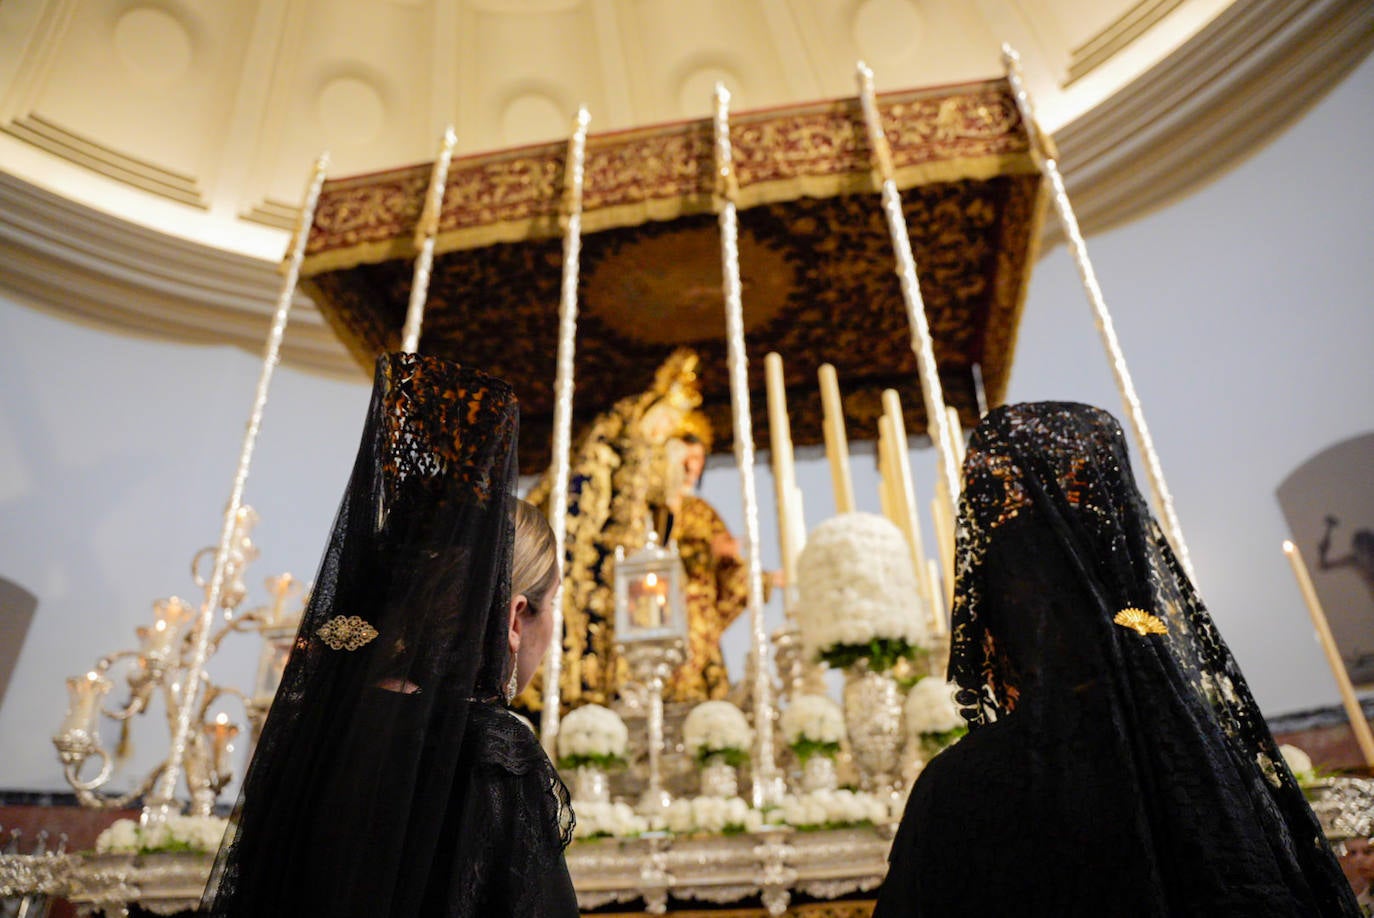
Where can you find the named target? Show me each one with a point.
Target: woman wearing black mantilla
(1116, 763)
(391, 779)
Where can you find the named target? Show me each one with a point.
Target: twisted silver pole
(922, 345)
(425, 233)
(159, 803)
(562, 415)
(766, 784)
(1164, 501)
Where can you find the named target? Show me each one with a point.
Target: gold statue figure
(638, 465)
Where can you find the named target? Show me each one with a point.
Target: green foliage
(732, 757)
(881, 653)
(608, 762)
(947, 738)
(806, 748)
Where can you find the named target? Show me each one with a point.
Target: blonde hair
(534, 568)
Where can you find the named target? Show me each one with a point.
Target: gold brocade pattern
(969, 131)
(716, 595)
(816, 259)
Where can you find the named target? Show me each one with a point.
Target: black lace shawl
(1116, 763)
(389, 778)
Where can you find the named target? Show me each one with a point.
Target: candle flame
(1288, 546)
(651, 579)
(221, 718)
(92, 675)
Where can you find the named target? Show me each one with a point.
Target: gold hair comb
(1139, 621)
(346, 632)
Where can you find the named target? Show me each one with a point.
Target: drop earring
(513, 684)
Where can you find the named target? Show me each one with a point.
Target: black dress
(1115, 763)
(389, 779)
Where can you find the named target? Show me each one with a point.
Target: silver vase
(873, 717)
(719, 779)
(818, 774)
(590, 785)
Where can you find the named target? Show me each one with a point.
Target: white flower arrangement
(717, 728)
(1299, 763)
(715, 815)
(195, 834)
(857, 593)
(832, 809)
(813, 725)
(608, 820)
(592, 735)
(931, 714)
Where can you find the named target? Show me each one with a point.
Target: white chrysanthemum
(930, 707)
(813, 717)
(200, 833)
(855, 583)
(613, 819)
(592, 730)
(1299, 762)
(120, 838)
(710, 814)
(716, 726)
(833, 808)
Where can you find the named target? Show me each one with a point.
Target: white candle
(280, 587)
(86, 692)
(939, 617)
(956, 436)
(906, 483)
(836, 440)
(221, 734)
(157, 640)
(784, 475)
(886, 478)
(1353, 710)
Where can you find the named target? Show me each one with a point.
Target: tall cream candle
(892, 408)
(836, 440)
(784, 475)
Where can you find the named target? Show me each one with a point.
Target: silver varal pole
(425, 234)
(937, 423)
(562, 415)
(1164, 502)
(162, 799)
(767, 784)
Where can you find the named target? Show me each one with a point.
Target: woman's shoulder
(503, 739)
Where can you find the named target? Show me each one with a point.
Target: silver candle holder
(160, 667)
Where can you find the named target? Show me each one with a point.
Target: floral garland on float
(717, 736)
(858, 609)
(178, 835)
(832, 809)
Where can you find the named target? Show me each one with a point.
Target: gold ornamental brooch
(346, 632)
(1139, 621)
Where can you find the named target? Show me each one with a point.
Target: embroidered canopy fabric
(817, 264)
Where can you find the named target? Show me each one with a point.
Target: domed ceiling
(153, 152)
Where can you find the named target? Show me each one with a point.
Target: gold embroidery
(1139, 621)
(346, 632)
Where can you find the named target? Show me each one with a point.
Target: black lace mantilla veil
(1116, 763)
(390, 779)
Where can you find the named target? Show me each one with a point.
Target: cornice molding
(1223, 94)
